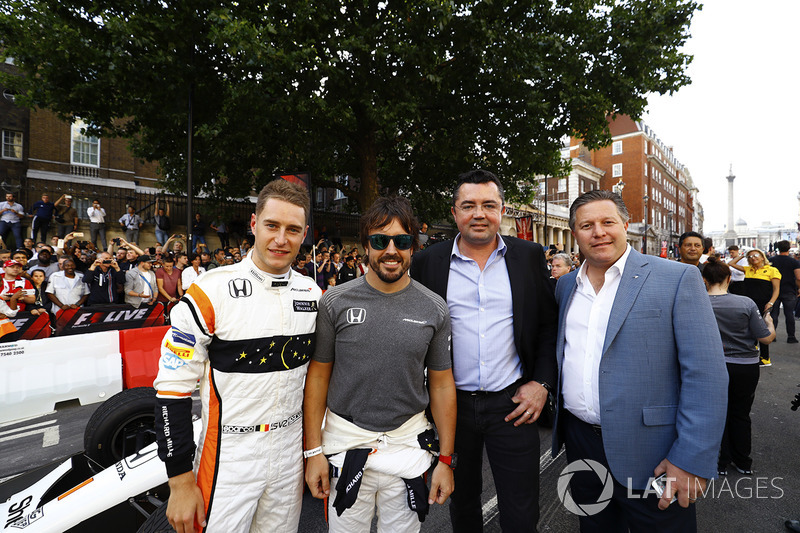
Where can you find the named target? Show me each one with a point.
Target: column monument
(730, 234)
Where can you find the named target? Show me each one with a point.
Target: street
(733, 504)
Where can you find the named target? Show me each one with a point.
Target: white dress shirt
(98, 216)
(585, 333)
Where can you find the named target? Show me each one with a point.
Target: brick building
(657, 189)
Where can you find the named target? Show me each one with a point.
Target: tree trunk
(367, 152)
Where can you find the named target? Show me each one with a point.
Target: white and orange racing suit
(248, 338)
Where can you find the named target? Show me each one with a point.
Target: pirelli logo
(180, 351)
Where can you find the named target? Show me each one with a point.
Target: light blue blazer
(663, 382)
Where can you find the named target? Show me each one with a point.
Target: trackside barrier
(37, 374)
(141, 349)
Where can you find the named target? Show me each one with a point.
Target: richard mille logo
(356, 315)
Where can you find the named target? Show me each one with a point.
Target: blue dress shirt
(484, 355)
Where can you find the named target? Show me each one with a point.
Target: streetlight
(669, 230)
(646, 198)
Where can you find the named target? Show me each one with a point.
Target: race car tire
(121, 426)
(157, 522)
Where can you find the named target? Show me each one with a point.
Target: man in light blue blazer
(642, 379)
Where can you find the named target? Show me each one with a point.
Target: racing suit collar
(269, 281)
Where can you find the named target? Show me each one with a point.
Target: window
(344, 180)
(583, 186)
(12, 144)
(616, 170)
(562, 185)
(616, 148)
(85, 149)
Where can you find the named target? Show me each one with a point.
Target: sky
(741, 109)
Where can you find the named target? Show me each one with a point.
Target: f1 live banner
(108, 317)
(28, 327)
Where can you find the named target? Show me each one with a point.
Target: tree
(400, 96)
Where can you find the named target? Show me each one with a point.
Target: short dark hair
(194, 256)
(595, 196)
(281, 189)
(733, 248)
(782, 246)
(715, 271)
(478, 176)
(708, 243)
(383, 212)
(688, 234)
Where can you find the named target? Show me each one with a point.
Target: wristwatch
(449, 460)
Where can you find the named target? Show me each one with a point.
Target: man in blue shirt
(42, 212)
(10, 214)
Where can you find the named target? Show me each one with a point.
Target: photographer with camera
(97, 223)
(65, 217)
(104, 278)
(131, 222)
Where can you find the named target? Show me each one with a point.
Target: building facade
(657, 189)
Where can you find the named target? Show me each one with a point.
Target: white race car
(119, 480)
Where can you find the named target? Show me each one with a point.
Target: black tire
(157, 522)
(121, 426)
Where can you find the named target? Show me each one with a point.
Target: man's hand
(185, 506)
(442, 484)
(530, 399)
(317, 476)
(687, 487)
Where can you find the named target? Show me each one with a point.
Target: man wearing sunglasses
(376, 336)
(503, 315)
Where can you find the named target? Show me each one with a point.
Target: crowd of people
(69, 273)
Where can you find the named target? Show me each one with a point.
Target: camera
(107, 261)
(116, 240)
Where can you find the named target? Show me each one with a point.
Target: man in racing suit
(246, 331)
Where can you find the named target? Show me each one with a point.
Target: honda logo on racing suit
(240, 288)
(356, 315)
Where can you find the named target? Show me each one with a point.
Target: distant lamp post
(617, 189)
(645, 198)
(669, 231)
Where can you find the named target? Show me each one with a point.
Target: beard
(388, 277)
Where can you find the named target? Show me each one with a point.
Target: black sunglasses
(401, 242)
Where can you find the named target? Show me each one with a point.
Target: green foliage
(402, 96)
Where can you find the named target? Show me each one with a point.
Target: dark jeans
(16, 229)
(513, 455)
(787, 297)
(737, 438)
(223, 240)
(40, 225)
(623, 513)
(95, 229)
